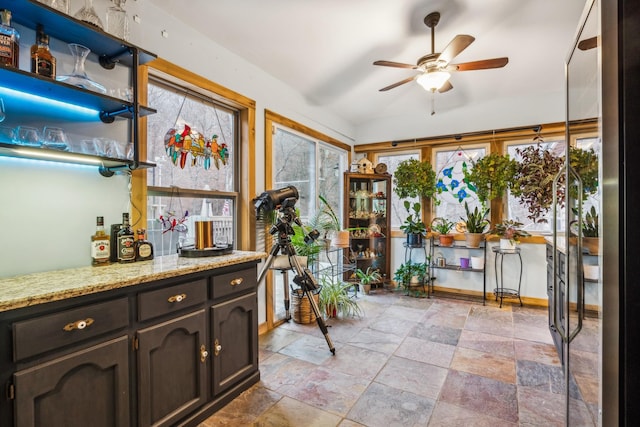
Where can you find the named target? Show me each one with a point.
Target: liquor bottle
(42, 62)
(144, 248)
(9, 41)
(126, 241)
(100, 245)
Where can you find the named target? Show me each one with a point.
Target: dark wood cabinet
(172, 375)
(367, 216)
(164, 353)
(235, 341)
(89, 387)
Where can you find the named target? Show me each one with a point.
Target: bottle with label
(144, 248)
(126, 241)
(9, 41)
(100, 245)
(42, 62)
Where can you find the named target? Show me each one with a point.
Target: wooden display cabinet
(367, 216)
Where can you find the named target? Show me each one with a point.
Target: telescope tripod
(303, 277)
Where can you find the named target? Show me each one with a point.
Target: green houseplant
(510, 232)
(327, 223)
(476, 223)
(367, 278)
(411, 272)
(443, 226)
(590, 231)
(413, 225)
(414, 178)
(492, 175)
(334, 298)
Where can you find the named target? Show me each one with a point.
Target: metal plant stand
(500, 291)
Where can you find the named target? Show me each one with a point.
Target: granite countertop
(39, 288)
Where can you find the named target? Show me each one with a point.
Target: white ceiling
(324, 49)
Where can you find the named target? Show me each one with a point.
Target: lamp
(433, 80)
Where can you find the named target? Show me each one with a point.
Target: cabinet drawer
(170, 299)
(36, 336)
(234, 283)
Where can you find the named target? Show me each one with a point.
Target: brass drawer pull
(78, 324)
(203, 353)
(217, 348)
(177, 298)
(236, 282)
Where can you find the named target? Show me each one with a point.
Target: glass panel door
(582, 278)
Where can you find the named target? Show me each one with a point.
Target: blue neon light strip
(75, 111)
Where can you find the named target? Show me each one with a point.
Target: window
(398, 212)
(193, 180)
(517, 211)
(314, 165)
(453, 190)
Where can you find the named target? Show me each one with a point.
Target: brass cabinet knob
(203, 353)
(217, 348)
(177, 298)
(236, 282)
(78, 324)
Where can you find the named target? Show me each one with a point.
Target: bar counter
(38, 288)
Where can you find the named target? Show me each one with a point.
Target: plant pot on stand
(507, 244)
(446, 239)
(473, 240)
(414, 240)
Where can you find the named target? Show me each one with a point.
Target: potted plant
(476, 223)
(443, 226)
(413, 226)
(411, 274)
(590, 231)
(413, 178)
(491, 176)
(509, 232)
(327, 223)
(334, 298)
(367, 278)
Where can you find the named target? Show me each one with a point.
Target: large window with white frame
(316, 169)
(452, 189)
(398, 212)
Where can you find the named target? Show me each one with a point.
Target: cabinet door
(171, 369)
(235, 341)
(86, 388)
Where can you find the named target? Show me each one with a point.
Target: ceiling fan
(436, 68)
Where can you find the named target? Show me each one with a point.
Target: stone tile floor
(418, 362)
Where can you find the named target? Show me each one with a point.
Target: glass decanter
(79, 76)
(117, 22)
(88, 14)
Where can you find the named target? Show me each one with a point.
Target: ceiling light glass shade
(433, 80)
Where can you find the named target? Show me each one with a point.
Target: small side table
(408, 252)
(500, 291)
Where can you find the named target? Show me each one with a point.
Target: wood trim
(247, 149)
(277, 118)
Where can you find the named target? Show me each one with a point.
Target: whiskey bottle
(42, 62)
(144, 248)
(126, 241)
(9, 41)
(100, 245)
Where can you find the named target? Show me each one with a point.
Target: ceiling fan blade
(455, 46)
(446, 87)
(394, 64)
(589, 43)
(407, 80)
(482, 65)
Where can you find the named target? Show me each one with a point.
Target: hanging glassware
(88, 14)
(117, 21)
(79, 76)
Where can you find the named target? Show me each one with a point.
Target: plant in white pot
(509, 232)
(327, 223)
(476, 223)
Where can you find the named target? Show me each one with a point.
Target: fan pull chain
(433, 103)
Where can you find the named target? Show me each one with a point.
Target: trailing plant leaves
(414, 178)
(492, 175)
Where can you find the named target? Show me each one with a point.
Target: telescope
(273, 199)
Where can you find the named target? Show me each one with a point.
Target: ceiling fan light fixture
(433, 80)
